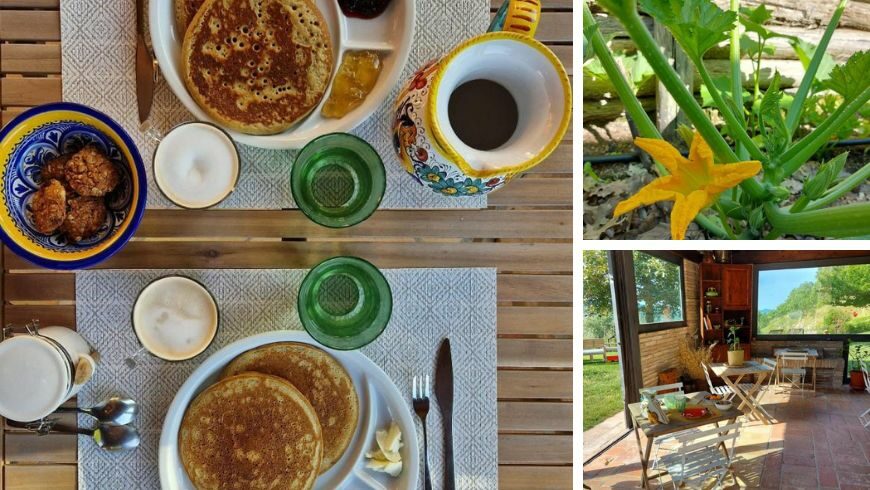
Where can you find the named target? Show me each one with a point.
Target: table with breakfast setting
(205, 215)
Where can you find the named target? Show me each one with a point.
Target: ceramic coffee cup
(437, 157)
(40, 369)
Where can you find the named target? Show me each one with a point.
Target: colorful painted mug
(427, 145)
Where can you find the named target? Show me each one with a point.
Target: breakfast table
(747, 392)
(676, 423)
(524, 232)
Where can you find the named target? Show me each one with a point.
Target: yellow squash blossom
(693, 184)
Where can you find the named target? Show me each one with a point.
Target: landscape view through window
(831, 300)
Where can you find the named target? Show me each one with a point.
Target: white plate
(380, 402)
(390, 34)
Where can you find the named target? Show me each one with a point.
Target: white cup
(40, 369)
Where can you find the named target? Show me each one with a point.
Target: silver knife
(444, 395)
(146, 66)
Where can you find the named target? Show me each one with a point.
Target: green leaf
(723, 84)
(771, 121)
(851, 78)
(697, 25)
(805, 51)
(756, 218)
(759, 15)
(750, 47)
(686, 133)
(827, 174)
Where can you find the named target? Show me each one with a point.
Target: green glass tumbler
(345, 303)
(338, 180)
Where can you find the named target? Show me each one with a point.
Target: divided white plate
(390, 34)
(380, 402)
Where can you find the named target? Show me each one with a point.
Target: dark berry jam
(364, 9)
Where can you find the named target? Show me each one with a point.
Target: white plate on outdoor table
(390, 35)
(380, 403)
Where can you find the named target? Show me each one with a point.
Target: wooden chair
(698, 457)
(792, 370)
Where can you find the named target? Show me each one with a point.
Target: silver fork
(420, 397)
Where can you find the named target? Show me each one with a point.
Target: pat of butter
(386, 458)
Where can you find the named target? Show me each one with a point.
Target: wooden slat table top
(525, 233)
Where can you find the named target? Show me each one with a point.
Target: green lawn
(602, 391)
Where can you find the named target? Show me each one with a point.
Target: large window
(659, 283)
(824, 300)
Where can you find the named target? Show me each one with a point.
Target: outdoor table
(654, 431)
(525, 233)
(732, 377)
(809, 351)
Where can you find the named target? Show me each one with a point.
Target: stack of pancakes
(281, 415)
(255, 66)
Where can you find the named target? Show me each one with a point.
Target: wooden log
(791, 72)
(811, 13)
(604, 110)
(843, 44)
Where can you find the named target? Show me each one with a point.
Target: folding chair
(792, 370)
(698, 458)
(724, 391)
(667, 443)
(864, 418)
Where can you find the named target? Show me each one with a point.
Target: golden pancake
(257, 66)
(321, 378)
(185, 10)
(251, 431)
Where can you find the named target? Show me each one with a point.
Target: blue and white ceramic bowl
(42, 133)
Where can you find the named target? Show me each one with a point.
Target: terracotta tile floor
(815, 442)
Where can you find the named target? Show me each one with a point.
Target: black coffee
(483, 114)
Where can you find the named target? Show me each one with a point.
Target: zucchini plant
(736, 191)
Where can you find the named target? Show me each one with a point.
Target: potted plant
(735, 353)
(856, 376)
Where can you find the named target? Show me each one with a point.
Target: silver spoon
(116, 410)
(110, 437)
(113, 437)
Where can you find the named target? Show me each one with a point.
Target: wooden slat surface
(525, 233)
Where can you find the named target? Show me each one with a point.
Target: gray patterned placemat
(98, 55)
(428, 305)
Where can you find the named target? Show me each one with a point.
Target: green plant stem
(796, 156)
(841, 189)
(846, 221)
(646, 44)
(632, 105)
(723, 217)
(796, 110)
(799, 205)
(736, 126)
(736, 80)
(773, 235)
(806, 140)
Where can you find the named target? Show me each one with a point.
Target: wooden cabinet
(737, 287)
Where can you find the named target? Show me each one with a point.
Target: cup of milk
(40, 369)
(196, 165)
(175, 318)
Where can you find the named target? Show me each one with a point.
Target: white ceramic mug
(436, 157)
(40, 369)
